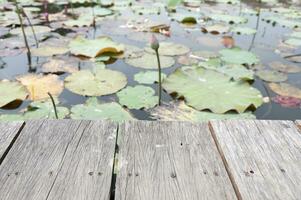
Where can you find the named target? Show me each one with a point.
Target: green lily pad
(11, 91)
(208, 89)
(169, 49)
(137, 97)
(149, 61)
(237, 72)
(181, 112)
(93, 48)
(94, 110)
(148, 77)
(238, 56)
(271, 75)
(97, 83)
(37, 110)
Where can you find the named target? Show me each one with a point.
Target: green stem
(159, 78)
(24, 34)
(54, 106)
(32, 29)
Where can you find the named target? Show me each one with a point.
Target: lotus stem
(31, 26)
(54, 106)
(23, 33)
(159, 78)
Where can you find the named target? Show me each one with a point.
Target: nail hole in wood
(173, 175)
(282, 170)
(252, 172)
(215, 173)
(91, 173)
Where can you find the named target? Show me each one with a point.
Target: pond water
(270, 31)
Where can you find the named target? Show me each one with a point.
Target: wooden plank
(298, 123)
(262, 157)
(170, 160)
(8, 134)
(63, 159)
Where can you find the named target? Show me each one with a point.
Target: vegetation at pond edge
(184, 60)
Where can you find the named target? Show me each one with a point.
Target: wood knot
(215, 173)
(173, 175)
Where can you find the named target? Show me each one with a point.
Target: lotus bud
(154, 43)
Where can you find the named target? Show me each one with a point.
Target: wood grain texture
(63, 159)
(263, 157)
(8, 133)
(298, 123)
(169, 160)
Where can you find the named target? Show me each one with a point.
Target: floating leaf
(148, 77)
(38, 86)
(286, 68)
(293, 42)
(37, 110)
(285, 89)
(37, 29)
(93, 110)
(271, 75)
(49, 51)
(58, 66)
(101, 82)
(243, 30)
(93, 48)
(169, 49)
(288, 102)
(11, 91)
(137, 97)
(149, 61)
(238, 56)
(229, 18)
(216, 29)
(207, 89)
(181, 112)
(237, 72)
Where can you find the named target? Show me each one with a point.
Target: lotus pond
(220, 59)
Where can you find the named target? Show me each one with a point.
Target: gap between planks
(9, 137)
(221, 153)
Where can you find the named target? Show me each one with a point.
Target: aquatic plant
(18, 11)
(155, 46)
(53, 104)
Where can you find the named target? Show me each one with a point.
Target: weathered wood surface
(170, 160)
(68, 159)
(60, 160)
(262, 157)
(298, 123)
(8, 134)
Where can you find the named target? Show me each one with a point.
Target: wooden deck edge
(221, 153)
(2, 158)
